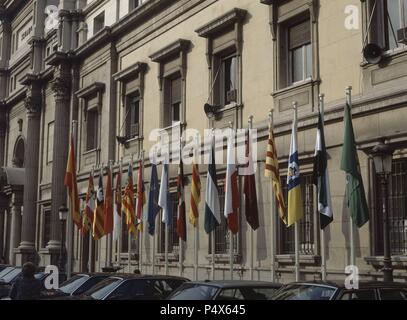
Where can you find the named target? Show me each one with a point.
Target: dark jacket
(26, 289)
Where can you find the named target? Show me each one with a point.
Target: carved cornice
(61, 88)
(170, 50)
(219, 24)
(132, 71)
(89, 90)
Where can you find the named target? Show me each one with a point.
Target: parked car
(3, 266)
(336, 290)
(7, 279)
(132, 287)
(225, 290)
(5, 271)
(76, 285)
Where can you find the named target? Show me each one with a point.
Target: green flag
(355, 191)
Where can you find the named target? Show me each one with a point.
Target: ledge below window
(398, 262)
(312, 260)
(224, 258)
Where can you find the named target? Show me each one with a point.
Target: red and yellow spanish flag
(108, 204)
(98, 215)
(128, 202)
(195, 196)
(273, 171)
(141, 197)
(71, 184)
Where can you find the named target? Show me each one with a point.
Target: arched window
(18, 155)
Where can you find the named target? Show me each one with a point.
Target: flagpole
(128, 229)
(119, 239)
(231, 249)
(251, 229)
(180, 255)
(297, 230)
(91, 229)
(155, 224)
(141, 218)
(166, 249)
(196, 231)
(351, 223)
(110, 236)
(322, 233)
(272, 218)
(70, 220)
(214, 229)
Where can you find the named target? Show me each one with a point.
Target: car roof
(237, 283)
(364, 284)
(126, 276)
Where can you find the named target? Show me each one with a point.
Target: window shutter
(175, 90)
(299, 34)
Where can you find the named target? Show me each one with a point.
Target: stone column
(31, 156)
(61, 88)
(15, 226)
(3, 202)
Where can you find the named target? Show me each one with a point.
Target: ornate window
(172, 65)
(397, 204)
(224, 50)
(307, 226)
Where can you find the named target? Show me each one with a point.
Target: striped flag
(141, 197)
(212, 205)
(295, 209)
(164, 200)
(249, 187)
(273, 171)
(231, 188)
(108, 204)
(87, 218)
(71, 184)
(153, 207)
(98, 215)
(181, 219)
(117, 220)
(128, 202)
(195, 195)
(321, 177)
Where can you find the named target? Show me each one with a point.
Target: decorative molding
(32, 106)
(130, 72)
(171, 50)
(89, 90)
(219, 24)
(56, 58)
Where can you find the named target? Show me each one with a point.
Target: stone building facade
(122, 68)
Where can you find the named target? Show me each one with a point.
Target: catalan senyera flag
(87, 217)
(273, 171)
(128, 202)
(231, 188)
(71, 184)
(295, 208)
(141, 197)
(98, 214)
(117, 214)
(195, 195)
(181, 218)
(108, 204)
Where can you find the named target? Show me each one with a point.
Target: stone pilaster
(61, 88)
(31, 156)
(15, 226)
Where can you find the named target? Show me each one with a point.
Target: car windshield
(5, 271)
(9, 277)
(194, 292)
(102, 288)
(72, 284)
(305, 292)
